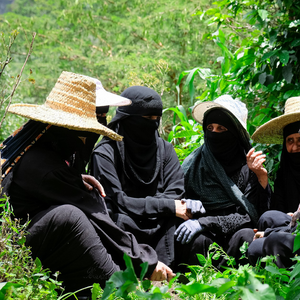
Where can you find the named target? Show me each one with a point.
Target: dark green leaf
(262, 78)
(284, 56)
(287, 73)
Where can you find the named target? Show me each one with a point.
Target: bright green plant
(186, 134)
(260, 46)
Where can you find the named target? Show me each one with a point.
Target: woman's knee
(272, 219)
(255, 251)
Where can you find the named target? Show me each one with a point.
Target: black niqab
(228, 147)
(288, 175)
(139, 149)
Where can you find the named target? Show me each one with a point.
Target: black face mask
(140, 147)
(64, 141)
(102, 120)
(139, 129)
(221, 144)
(225, 146)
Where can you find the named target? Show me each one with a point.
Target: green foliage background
(122, 43)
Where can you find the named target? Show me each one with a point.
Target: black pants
(187, 254)
(64, 239)
(277, 242)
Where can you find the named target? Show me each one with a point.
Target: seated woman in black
(142, 176)
(227, 176)
(70, 229)
(274, 231)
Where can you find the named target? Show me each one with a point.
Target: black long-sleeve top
(148, 211)
(42, 179)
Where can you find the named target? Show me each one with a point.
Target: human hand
(181, 211)
(195, 206)
(91, 182)
(258, 234)
(162, 272)
(255, 162)
(186, 231)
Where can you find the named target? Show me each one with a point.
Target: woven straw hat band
(75, 95)
(292, 105)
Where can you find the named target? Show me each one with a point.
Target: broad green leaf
(263, 14)
(295, 272)
(284, 56)
(295, 43)
(197, 288)
(262, 78)
(268, 54)
(273, 270)
(287, 72)
(296, 243)
(201, 259)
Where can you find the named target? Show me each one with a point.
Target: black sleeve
(161, 204)
(225, 224)
(255, 193)
(278, 199)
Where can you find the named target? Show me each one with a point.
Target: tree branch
(18, 79)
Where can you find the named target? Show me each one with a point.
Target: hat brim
(104, 98)
(272, 131)
(200, 109)
(45, 114)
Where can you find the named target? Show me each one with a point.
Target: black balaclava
(102, 110)
(139, 152)
(225, 146)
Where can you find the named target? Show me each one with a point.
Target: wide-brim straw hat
(70, 104)
(272, 131)
(234, 106)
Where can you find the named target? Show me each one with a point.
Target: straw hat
(71, 104)
(235, 107)
(272, 131)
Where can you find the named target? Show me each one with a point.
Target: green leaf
(296, 243)
(295, 43)
(197, 288)
(268, 54)
(273, 270)
(287, 73)
(201, 259)
(284, 56)
(295, 272)
(263, 14)
(290, 93)
(144, 270)
(262, 78)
